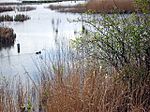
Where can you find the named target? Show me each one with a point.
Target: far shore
(98, 6)
(101, 6)
(32, 2)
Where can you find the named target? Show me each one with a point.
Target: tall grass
(67, 85)
(94, 92)
(111, 5)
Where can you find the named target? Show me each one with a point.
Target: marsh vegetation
(106, 68)
(5, 9)
(7, 37)
(25, 8)
(16, 18)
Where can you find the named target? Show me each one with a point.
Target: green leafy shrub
(120, 41)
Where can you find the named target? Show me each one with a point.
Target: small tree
(119, 40)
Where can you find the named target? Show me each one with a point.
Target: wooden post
(18, 48)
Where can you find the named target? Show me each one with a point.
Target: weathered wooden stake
(18, 48)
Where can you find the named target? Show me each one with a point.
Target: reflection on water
(40, 33)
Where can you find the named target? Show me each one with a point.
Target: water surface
(37, 34)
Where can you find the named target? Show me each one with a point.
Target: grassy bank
(73, 9)
(43, 1)
(5, 9)
(101, 6)
(16, 18)
(32, 2)
(46, 1)
(13, 8)
(25, 8)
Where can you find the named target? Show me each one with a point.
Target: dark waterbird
(38, 52)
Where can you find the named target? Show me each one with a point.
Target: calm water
(36, 34)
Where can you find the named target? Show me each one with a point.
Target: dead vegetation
(7, 37)
(97, 92)
(111, 5)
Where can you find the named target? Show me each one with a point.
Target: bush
(21, 18)
(7, 37)
(120, 41)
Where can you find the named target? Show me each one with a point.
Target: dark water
(36, 34)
